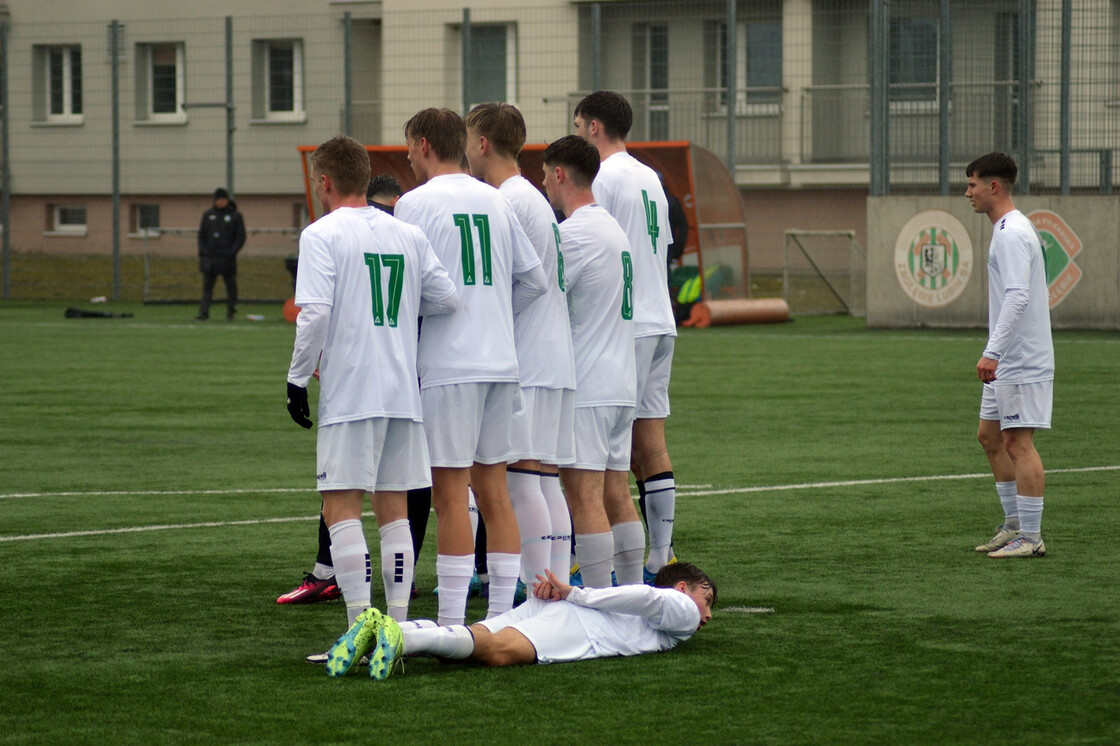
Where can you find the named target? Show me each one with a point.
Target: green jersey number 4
(383, 311)
(466, 237)
(651, 220)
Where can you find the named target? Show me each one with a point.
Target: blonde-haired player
(495, 135)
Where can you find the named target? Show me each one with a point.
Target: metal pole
(880, 98)
(596, 46)
(1026, 52)
(1066, 90)
(5, 169)
(944, 78)
(229, 105)
(115, 116)
(348, 74)
(732, 46)
(466, 58)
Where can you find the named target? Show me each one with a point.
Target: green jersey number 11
(651, 219)
(482, 223)
(383, 311)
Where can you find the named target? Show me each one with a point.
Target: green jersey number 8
(395, 263)
(482, 223)
(627, 286)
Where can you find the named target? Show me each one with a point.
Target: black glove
(297, 405)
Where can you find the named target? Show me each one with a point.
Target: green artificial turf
(155, 499)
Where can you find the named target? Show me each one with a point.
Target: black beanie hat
(220, 193)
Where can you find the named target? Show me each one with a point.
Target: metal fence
(108, 124)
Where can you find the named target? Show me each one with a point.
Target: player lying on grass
(557, 624)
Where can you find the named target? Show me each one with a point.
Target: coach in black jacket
(220, 236)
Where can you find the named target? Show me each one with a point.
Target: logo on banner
(1059, 246)
(933, 258)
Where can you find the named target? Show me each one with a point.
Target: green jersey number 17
(383, 311)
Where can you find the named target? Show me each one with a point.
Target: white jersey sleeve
(663, 609)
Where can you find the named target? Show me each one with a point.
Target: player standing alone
(1017, 366)
(468, 363)
(632, 193)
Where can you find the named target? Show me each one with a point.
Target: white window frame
(297, 114)
(927, 104)
(743, 106)
(67, 115)
(141, 231)
(58, 228)
(511, 61)
(179, 116)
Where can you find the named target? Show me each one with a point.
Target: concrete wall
(1081, 235)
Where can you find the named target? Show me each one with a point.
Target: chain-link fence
(115, 127)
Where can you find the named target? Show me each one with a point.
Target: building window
(144, 221)
(161, 83)
(491, 73)
(278, 80)
(66, 220)
(758, 66)
(913, 63)
(651, 73)
(57, 83)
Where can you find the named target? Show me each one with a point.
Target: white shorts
(603, 438)
(470, 422)
(653, 359)
(1018, 404)
(380, 453)
(553, 629)
(543, 427)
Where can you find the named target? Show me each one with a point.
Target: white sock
(1009, 499)
(417, 624)
(503, 568)
(397, 567)
(455, 642)
(323, 572)
(453, 572)
(594, 552)
(1030, 516)
(350, 555)
(629, 548)
(661, 505)
(561, 552)
(533, 522)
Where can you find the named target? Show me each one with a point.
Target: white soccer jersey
(601, 622)
(373, 272)
(1015, 260)
(634, 619)
(598, 273)
(477, 238)
(541, 331)
(632, 193)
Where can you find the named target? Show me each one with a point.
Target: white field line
(891, 480)
(292, 519)
(167, 493)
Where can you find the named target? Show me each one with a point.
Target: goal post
(824, 272)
